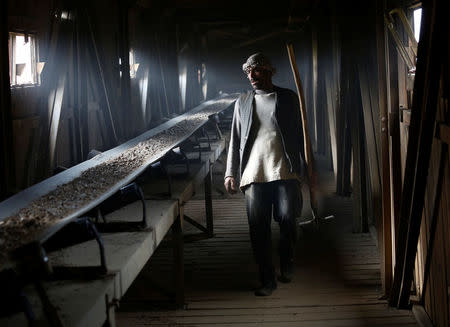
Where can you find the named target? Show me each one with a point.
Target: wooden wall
(432, 268)
(422, 244)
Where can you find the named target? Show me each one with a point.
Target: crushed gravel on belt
(31, 221)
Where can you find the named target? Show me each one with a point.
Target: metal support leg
(49, 309)
(178, 257)
(208, 204)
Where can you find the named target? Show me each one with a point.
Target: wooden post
(340, 129)
(163, 78)
(360, 222)
(76, 77)
(83, 62)
(394, 133)
(57, 86)
(344, 146)
(434, 210)
(386, 242)
(6, 133)
(55, 107)
(314, 79)
(124, 53)
(331, 107)
(97, 60)
(371, 137)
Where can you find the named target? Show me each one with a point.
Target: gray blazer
(286, 118)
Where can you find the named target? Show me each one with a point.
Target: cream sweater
(267, 161)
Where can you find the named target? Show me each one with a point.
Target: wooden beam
(331, 107)
(371, 134)
(55, 107)
(163, 78)
(436, 196)
(96, 57)
(429, 70)
(314, 80)
(256, 40)
(382, 59)
(394, 133)
(60, 57)
(82, 83)
(6, 133)
(124, 54)
(76, 72)
(443, 133)
(360, 221)
(342, 128)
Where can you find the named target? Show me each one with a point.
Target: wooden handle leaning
(309, 158)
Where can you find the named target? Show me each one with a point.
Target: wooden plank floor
(336, 283)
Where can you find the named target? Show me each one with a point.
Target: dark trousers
(283, 199)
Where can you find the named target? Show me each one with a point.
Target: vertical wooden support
(55, 107)
(394, 133)
(430, 58)
(331, 107)
(124, 53)
(314, 56)
(344, 149)
(371, 136)
(178, 257)
(163, 75)
(81, 112)
(6, 134)
(76, 89)
(360, 221)
(436, 196)
(208, 203)
(331, 88)
(386, 243)
(93, 51)
(57, 85)
(347, 155)
(340, 133)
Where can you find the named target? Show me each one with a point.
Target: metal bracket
(126, 195)
(76, 232)
(389, 21)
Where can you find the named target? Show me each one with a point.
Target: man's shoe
(266, 290)
(287, 273)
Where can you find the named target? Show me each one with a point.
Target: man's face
(260, 78)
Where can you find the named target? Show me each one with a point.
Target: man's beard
(257, 84)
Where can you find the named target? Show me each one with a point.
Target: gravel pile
(27, 224)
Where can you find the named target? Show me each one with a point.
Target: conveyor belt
(39, 211)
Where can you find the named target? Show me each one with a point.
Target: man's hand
(230, 185)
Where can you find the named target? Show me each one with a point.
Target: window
(133, 65)
(417, 20)
(24, 68)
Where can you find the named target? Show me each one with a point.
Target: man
(266, 152)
